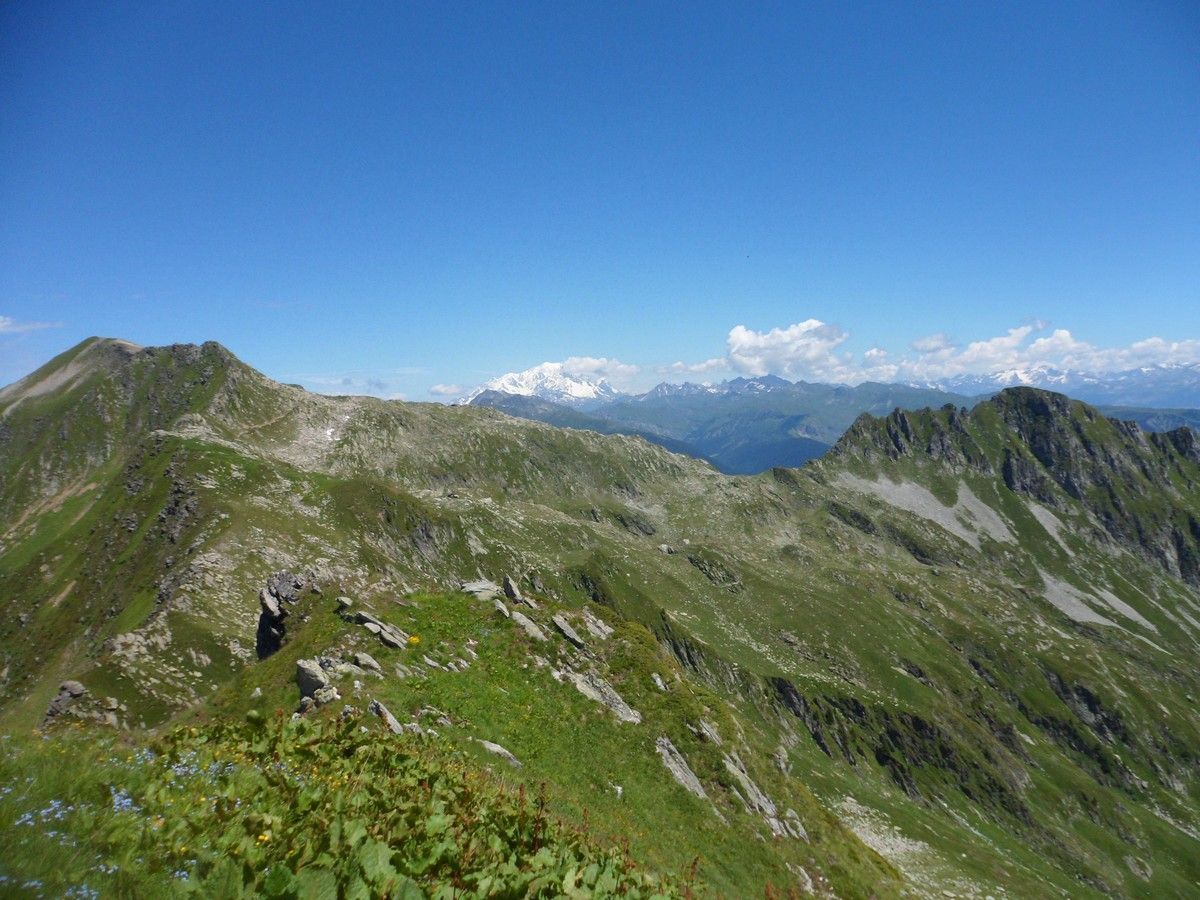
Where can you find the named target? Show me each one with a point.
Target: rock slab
(678, 767)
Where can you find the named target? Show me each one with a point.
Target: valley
(955, 655)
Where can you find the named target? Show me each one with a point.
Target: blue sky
(389, 197)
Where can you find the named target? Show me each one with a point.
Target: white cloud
(599, 367)
(810, 350)
(709, 365)
(9, 325)
(384, 383)
(813, 350)
(932, 343)
(805, 349)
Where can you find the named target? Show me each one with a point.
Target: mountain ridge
(892, 637)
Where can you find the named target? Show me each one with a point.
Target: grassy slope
(927, 680)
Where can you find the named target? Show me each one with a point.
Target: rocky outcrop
(310, 677)
(596, 626)
(678, 767)
(512, 591)
(388, 634)
(756, 801)
(390, 722)
(68, 693)
(596, 688)
(492, 747)
(530, 627)
(565, 629)
(481, 589)
(282, 591)
(368, 662)
(715, 569)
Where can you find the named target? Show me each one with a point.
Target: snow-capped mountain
(1162, 386)
(549, 382)
(1036, 376)
(669, 389)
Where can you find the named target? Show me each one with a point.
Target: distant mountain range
(748, 425)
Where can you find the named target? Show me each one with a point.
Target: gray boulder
(757, 801)
(597, 626)
(481, 589)
(596, 688)
(393, 725)
(513, 592)
(310, 677)
(531, 628)
(368, 662)
(285, 586)
(324, 695)
(68, 693)
(491, 747)
(565, 629)
(390, 635)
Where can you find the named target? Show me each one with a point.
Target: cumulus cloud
(447, 390)
(804, 349)
(932, 343)
(715, 364)
(599, 367)
(1023, 348)
(812, 350)
(9, 325)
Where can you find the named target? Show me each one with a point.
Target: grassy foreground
(275, 808)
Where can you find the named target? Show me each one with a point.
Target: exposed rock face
(367, 661)
(389, 635)
(392, 724)
(68, 693)
(596, 688)
(597, 626)
(565, 629)
(1056, 450)
(481, 589)
(715, 570)
(531, 628)
(513, 592)
(491, 747)
(678, 767)
(286, 586)
(758, 802)
(283, 589)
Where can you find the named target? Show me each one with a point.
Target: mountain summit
(549, 381)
